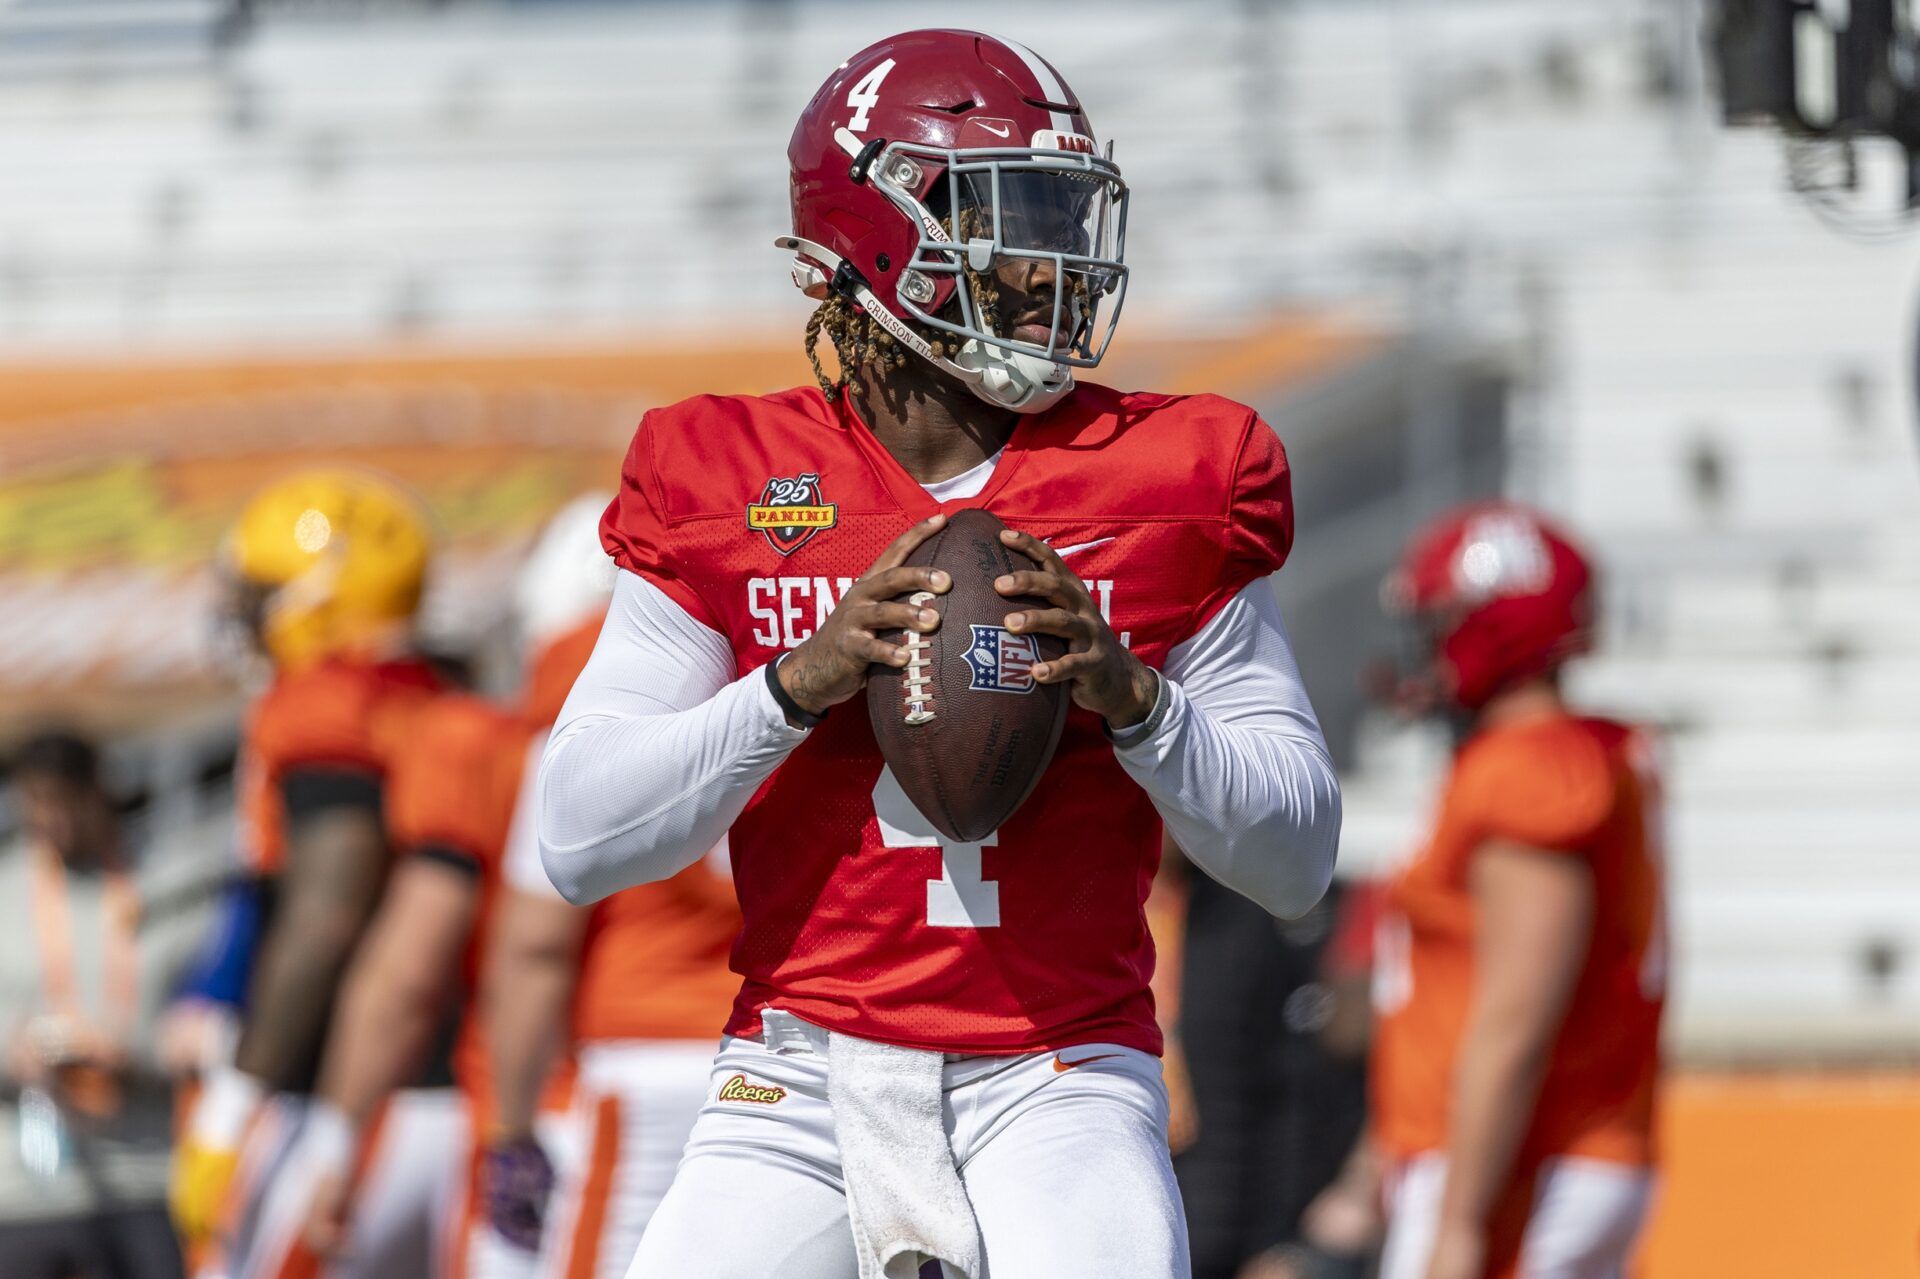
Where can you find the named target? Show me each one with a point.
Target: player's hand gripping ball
(832, 664)
(967, 722)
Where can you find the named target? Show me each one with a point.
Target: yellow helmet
(330, 562)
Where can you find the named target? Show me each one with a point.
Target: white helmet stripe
(1049, 82)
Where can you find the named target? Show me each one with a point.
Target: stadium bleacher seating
(1710, 383)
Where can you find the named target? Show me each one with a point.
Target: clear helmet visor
(1040, 211)
(1037, 246)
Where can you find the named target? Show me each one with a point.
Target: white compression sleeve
(656, 752)
(1237, 766)
(520, 860)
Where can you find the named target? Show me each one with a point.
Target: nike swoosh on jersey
(1061, 1066)
(1064, 551)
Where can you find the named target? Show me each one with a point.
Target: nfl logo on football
(1001, 661)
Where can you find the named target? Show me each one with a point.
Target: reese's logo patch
(740, 1089)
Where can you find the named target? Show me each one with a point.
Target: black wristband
(795, 713)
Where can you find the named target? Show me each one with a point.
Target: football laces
(916, 696)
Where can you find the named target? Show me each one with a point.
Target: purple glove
(515, 1180)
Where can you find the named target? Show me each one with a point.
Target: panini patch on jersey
(1000, 661)
(790, 511)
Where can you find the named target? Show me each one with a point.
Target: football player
(454, 791)
(324, 572)
(940, 1050)
(1520, 962)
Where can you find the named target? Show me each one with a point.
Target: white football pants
(635, 1102)
(1586, 1216)
(1066, 1166)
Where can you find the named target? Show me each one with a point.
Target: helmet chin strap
(1005, 379)
(1011, 379)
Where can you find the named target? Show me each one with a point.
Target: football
(964, 726)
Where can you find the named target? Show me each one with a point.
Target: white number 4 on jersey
(959, 898)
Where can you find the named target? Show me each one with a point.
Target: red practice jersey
(756, 514)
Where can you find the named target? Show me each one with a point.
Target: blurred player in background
(643, 976)
(97, 925)
(1277, 1099)
(1520, 966)
(453, 790)
(325, 571)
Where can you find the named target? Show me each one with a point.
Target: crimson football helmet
(935, 154)
(1500, 595)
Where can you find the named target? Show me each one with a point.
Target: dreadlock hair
(856, 336)
(859, 338)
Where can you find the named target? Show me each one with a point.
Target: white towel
(904, 1194)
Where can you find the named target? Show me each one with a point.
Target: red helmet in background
(1502, 595)
(935, 154)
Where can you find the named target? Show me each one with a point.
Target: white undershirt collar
(966, 484)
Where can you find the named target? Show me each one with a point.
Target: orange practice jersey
(655, 965)
(655, 959)
(343, 715)
(452, 796)
(654, 962)
(1570, 787)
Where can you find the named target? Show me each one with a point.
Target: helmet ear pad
(866, 243)
(878, 239)
(1508, 641)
